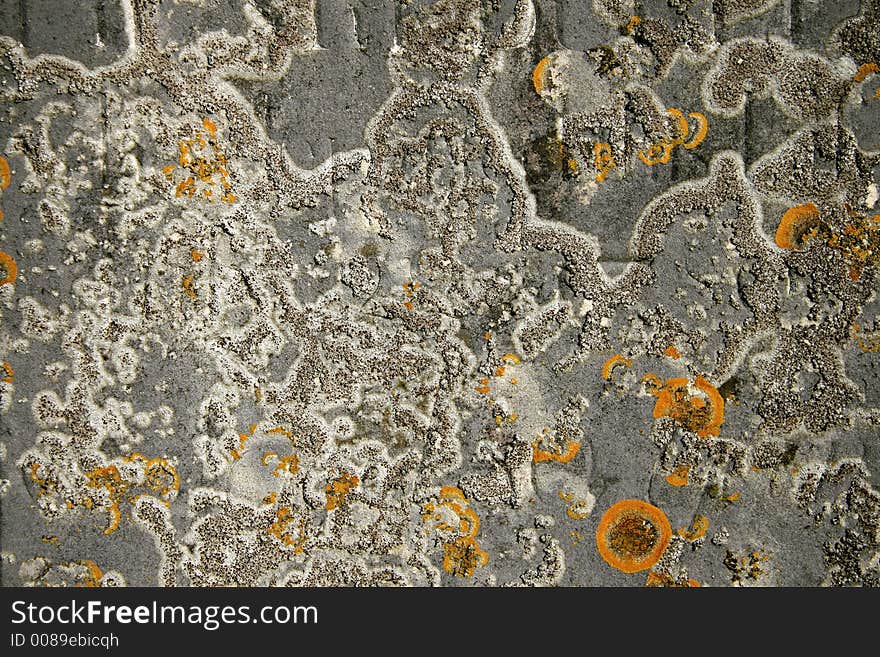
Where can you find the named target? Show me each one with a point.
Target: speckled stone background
(343, 292)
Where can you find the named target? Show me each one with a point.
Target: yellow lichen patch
(540, 455)
(280, 529)
(161, 477)
(859, 242)
(288, 464)
(10, 373)
(539, 75)
(798, 224)
(270, 498)
(575, 536)
(701, 415)
(188, 287)
(337, 490)
(868, 341)
(611, 363)
(196, 255)
(283, 432)
(679, 476)
(51, 540)
(8, 265)
(510, 359)
(109, 479)
(603, 159)
(632, 535)
(45, 484)
(5, 174)
(462, 554)
(633, 23)
(655, 579)
(697, 530)
(659, 153)
(95, 574)
(701, 132)
(204, 167)
(483, 388)
(683, 127)
(672, 352)
(577, 510)
(864, 71)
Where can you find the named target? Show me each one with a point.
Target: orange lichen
(870, 343)
(204, 164)
(7, 263)
(733, 497)
(679, 476)
(655, 579)
(161, 477)
(603, 159)
(701, 133)
(5, 174)
(337, 490)
(701, 415)
(196, 255)
(289, 464)
(611, 363)
(280, 529)
(632, 535)
(283, 432)
(109, 479)
(634, 22)
(540, 455)
(539, 79)
(577, 510)
(697, 530)
(798, 224)
(461, 555)
(483, 388)
(683, 127)
(45, 484)
(188, 287)
(859, 242)
(93, 579)
(672, 352)
(10, 373)
(864, 71)
(659, 153)
(510, 359)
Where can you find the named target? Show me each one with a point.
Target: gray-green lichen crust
(495, 293)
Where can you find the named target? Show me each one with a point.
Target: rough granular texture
(406, 293)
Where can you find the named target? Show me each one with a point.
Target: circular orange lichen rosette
(632, 535)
